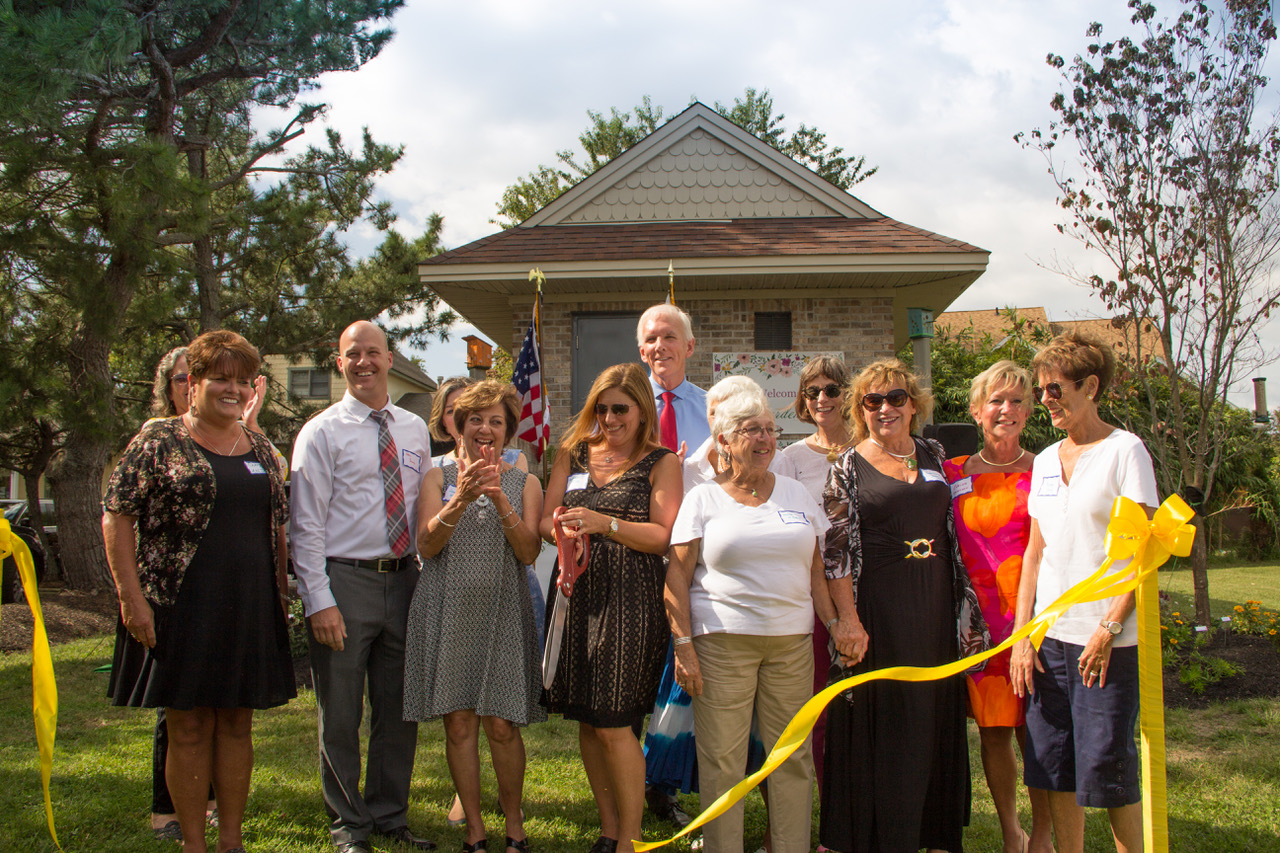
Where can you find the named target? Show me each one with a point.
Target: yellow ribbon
(1129, 535)
(43, 687)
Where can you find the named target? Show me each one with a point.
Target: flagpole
(536, 275)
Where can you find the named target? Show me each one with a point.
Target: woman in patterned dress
(990, 490)
(194, 529)
(622, 487)
(897, 764)
(471, 651)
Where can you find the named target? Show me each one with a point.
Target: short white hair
(729, 386)
(672, 313)
(737, 408)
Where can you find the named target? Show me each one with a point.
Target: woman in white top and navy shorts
(1083, 683)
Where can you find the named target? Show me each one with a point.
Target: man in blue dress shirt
(665, 337)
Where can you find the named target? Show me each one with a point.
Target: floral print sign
(778, 373)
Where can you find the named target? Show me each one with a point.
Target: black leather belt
(384, 564)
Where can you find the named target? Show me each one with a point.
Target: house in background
(305, 381)
(1131, 342)
(772, 262)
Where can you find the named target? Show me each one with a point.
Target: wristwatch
(613, 527)
(1114, 627)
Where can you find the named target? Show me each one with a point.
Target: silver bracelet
(831, 622)
(682, 641)
(508, 515)
(442, 521)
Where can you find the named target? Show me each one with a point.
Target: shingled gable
(739, 219)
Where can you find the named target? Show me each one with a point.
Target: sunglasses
(1053, 389)
(897, 398)
(832, 391)
(180, 378)
(619, 409)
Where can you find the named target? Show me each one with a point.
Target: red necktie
(667, 422)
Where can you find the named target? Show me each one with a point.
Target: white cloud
(482, 93)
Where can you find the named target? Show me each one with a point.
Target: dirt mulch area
(1259, 678)
(68, 615)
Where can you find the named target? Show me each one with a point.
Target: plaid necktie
(397, 524)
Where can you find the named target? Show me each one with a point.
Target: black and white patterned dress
(616, 632)
(471, 640)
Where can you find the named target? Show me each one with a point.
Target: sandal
(521, 846)
(474, 848)
(171, 831)
(604, 845)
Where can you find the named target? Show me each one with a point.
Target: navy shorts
(1081, 738)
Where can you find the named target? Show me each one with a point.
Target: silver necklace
(209, 438)
(908, 460)
(1001, 464)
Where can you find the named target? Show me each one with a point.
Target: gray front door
(600, 341)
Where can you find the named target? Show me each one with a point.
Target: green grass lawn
(1229, 585)
(1224, 777)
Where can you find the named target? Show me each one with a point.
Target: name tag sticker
(411, 460)
(576, 482)
(961, 487)
(449, 491)
(1050, 486)
(255, 467)
(792, 516)
(932, 476)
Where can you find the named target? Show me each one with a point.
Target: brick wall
(860, 327)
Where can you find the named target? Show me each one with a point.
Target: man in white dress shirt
(357, 567)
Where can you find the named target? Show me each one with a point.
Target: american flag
(534, 427)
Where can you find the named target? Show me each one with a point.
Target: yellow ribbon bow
(43, 687)
(1130, 534)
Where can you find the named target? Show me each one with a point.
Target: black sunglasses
(832, 391)
(619, 409)
(1053, 389)
(897, 398)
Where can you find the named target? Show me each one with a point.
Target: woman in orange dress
(990, 491)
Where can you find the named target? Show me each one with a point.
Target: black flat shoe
(474, 848)
(521, 846)
(604, 845)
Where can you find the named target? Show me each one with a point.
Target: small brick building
(767, 255)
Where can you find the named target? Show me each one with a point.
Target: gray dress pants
(375, 608)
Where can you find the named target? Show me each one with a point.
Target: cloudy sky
(481, 93)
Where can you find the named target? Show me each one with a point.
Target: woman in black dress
(194, 534)
(623, 488)
(897, 760)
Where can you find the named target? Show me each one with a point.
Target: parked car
(18, 515)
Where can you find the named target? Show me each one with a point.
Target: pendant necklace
(907, 459)
(833, 450)
(1001, 464)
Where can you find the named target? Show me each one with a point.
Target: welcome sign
(778, 373)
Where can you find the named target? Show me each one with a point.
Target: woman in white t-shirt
(1083, 683)
(744, 580)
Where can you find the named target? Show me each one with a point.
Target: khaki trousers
(772, 676)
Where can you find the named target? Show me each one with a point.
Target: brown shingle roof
(991, 321)
(824, 235)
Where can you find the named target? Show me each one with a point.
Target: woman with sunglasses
(897, 763)
(990, 490)
(1083, 682)
(619, 485)
(744, 581)
(820, 403)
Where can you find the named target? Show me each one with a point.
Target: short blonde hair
(728, 387)
(1004, 372)
(1077, 356)
(892, 373)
